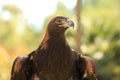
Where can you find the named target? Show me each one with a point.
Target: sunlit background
(35, 11)
(23, 24)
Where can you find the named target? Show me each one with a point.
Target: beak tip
(71, 23)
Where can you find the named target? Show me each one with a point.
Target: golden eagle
(54, 59)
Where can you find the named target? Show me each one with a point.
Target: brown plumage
(54, 59)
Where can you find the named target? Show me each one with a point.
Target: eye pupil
(59, 20)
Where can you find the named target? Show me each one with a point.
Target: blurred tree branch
(78, 33)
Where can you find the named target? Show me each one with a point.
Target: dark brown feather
(22, 68)
(54, 59)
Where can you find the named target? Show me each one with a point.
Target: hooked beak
(70, 23)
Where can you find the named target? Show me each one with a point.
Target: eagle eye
(59, 20)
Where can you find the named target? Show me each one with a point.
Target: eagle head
(59, 24)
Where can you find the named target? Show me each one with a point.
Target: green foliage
(16, 38)
(102, 36)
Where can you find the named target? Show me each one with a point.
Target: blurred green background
(100, 28)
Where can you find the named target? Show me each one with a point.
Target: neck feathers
(55, 40)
